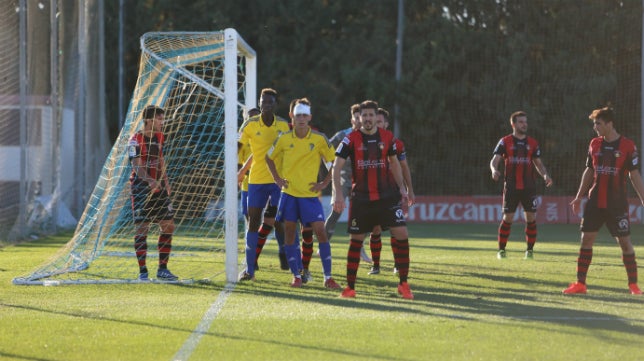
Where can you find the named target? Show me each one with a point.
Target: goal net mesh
(184, 73)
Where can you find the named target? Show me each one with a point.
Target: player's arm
(141, 172)
(494, 166)
(394, 167)
(281, 182)
(542, 171)
(241, 173)
(164, 174)
(406, 173)
(338, 202)
(584, 186)
(638, 185)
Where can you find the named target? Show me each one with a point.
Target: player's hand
(316, 187)
(404, 205)
(338, 205)
(576, 205)
(240, 177)
(281, 182)
(548, 180)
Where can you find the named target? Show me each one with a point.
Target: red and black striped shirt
(611, 162)
(372, 178)
(518, 155)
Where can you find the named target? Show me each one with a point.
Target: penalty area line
(191, 343)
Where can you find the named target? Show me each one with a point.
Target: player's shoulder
(281, 121)
(317, 133)
(252, 121)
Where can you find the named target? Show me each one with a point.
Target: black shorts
(616, 219)
(148, 206)
(512, 198)
(364, 215)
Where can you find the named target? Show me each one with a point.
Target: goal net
(204, 82)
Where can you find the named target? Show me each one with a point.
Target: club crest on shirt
(311, 146)
(617, 154)
(381, 145)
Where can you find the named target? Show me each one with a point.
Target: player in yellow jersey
(294, 162)
(259, 132)
(242, 156)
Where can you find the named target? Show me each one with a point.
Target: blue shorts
(306, 210)
(244, 202)
(259, 194)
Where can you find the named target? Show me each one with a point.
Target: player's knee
(271, 212)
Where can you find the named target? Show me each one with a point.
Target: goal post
(205, 81)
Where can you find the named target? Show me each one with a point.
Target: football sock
(279, 236)
(329, 224)
(292, 254)
(504, 234)
(631, 267)
(263, 233)
(353, 262)
(251, 248)
(583, 262)
(376, 247)
(164, 247)
(401, 256)
(325, 257)
(393, 243)
(531, 234)
(307, 253)
(141, 250)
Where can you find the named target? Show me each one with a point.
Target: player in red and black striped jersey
(150, 191)
(378, 193)
(521, 155)
(611, 159)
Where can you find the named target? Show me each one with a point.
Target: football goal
(204, 81)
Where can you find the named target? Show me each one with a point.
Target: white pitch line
(204, 325)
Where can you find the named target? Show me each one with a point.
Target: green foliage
(466, 66)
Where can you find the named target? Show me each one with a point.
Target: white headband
(301, 108)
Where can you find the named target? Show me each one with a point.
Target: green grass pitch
(468, 306)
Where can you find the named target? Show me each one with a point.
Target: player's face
(521, 125)
(301, 121)
(267, 103)
(368, 119)
(355, 120)
(380, 121)
(157, 123)
(600, 127)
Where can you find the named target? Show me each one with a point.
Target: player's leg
(362, 214)
(375, 245)
(141, 248)
(288, 215)
(620, 229)
(257, 198)
(264, 230)
(140, 214)
(164, 247)
(590, 225)
(510, 204)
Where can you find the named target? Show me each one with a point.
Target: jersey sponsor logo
(371, 164)
(519, 160)
(606, 170)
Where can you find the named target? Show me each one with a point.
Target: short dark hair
(607, 114)
(384, 113)
(269, 91)
(515, 115)
(151, 111)
(369, 104)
